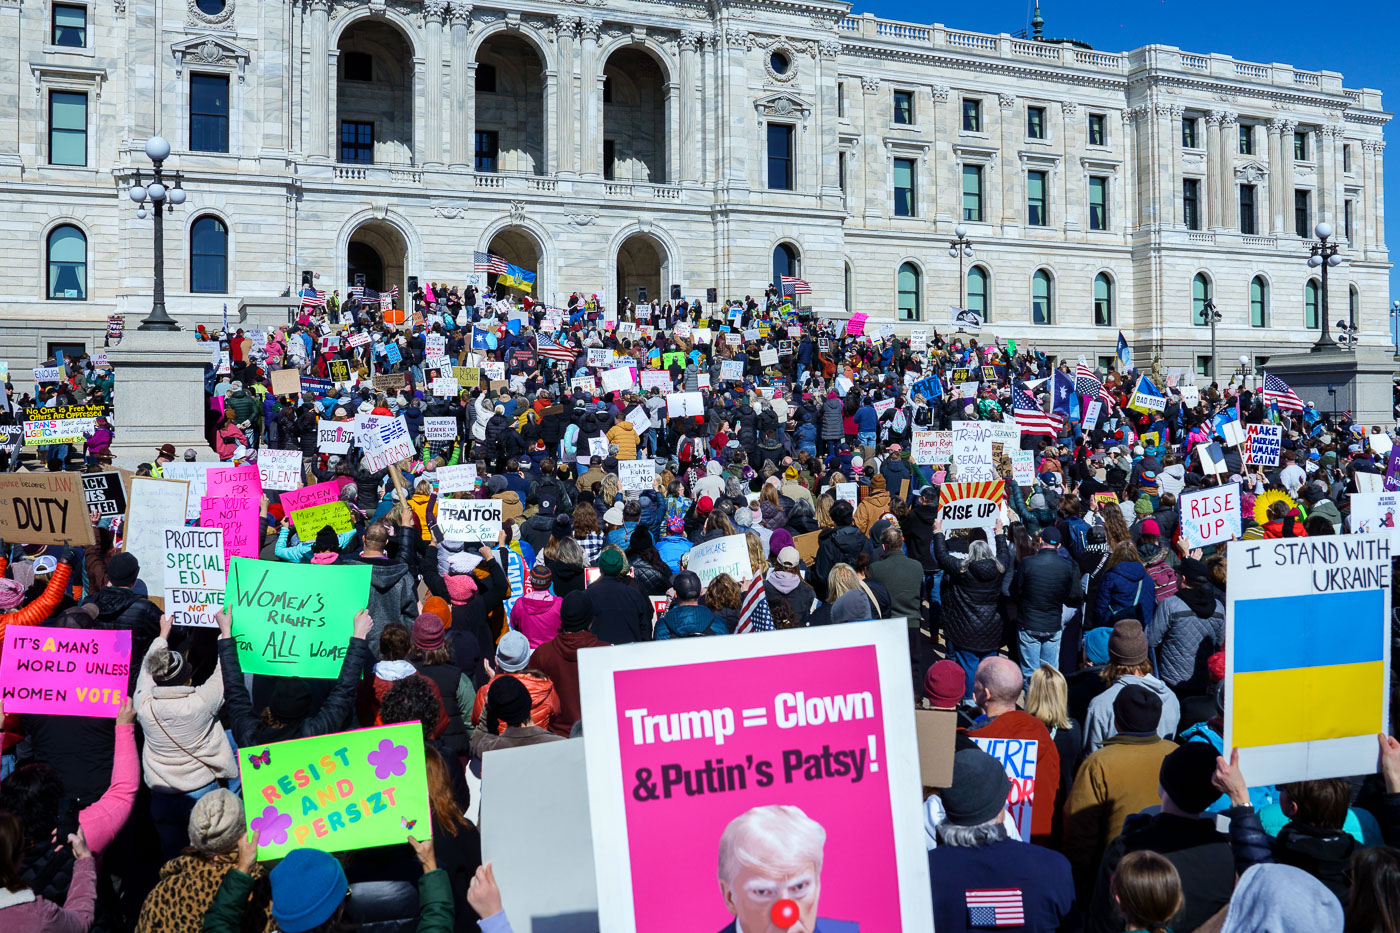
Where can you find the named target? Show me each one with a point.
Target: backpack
(1164, 578)
(899, 422)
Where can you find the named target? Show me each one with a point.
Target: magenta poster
(758, 791)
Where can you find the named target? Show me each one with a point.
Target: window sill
(976, 134)
(1039, 141)
(1099, 147)
(906, 127)
(87, 51)
(58, 167)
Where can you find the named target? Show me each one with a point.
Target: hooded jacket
(685, 621)
(840, 545)
(918, 534)
(185, 745)
(1187, 628)
(875, 505)
(393, 594)
(969, 596)
(1126, 584)
(833, 419)
(624, 435)
(1323, 853)
(1099, 723)
(558, 660)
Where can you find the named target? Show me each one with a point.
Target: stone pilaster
(1215, 184)
(1277, 183)
(689, 102)
(1012, 210)
(1286, 173)
(462, 106)
(591, 94)
(873, 174)
(1229, 193)
(434, 11)
(566, 44)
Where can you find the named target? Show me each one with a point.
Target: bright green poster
(351, 790)
(294, 619)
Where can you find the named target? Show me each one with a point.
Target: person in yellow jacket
(624, 435)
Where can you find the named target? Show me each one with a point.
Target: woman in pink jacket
(229, 437)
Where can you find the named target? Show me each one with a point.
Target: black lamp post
(959, 248)
(164, 191)
(1323, 255)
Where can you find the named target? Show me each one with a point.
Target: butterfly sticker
(406, 823)
(258, 761)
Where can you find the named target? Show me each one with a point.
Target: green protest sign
(294, 619)
(350, 790)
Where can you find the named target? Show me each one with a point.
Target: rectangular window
(485, 78)
(1203, 364)
(488, 151)
(904, 107)
(69, 26)
(780, 156)
(1191, 203)
(972, 115)
(904, 205)
(841, 171)
(609, 157)
(1098, 130)
(607, 90)
(1106, 363)
(1300, 146)
(1348, 213)
(841, 99)
(1302, 213)
(356, 142)
(1346, 157)
(1036, 214)
(67, 128)
(1189, 138)
(1035, 122)
(209, 113)
(1247, 224)
(359, 66)
(1098, 203)
(1246, 139)
(972, 192)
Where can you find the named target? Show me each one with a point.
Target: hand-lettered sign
(470, 519)
(195, 575)
(65, 671)
(43, 508)
(294, 619)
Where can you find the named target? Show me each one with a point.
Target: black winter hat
(576, 613)
(326, 540)
(1186, 776)
(1137, 710)
(291, 701)
(979, 791)
(122, 569)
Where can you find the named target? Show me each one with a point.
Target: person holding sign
(971, 588)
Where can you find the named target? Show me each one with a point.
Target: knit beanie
(428, 632)
(461, 587)
(1142, 507)
(979, 790)
(612, 562)
(513, 652)
(1137, 710)
(165, 666)
(1128, 643)
(291, 701)
(945, 684)
(438, 607)
(576, 613)
(122, 569)
(508, 702)
(11, 594)
(1186, 776)
(216, 822)
(326, 540)
(307, 887)
(541, 577)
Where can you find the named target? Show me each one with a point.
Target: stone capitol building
(618, 145)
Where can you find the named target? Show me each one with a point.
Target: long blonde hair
(1047, 698)
(822, 507)
(757, 558)
(612, 488)
(843, 578)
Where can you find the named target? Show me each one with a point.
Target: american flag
(1031, 418)
(995, 907)
(316, 300)
(795, 286)
(754, 614)
(488, 262)
(1277, 392)
(554, 350)
(1087, 382)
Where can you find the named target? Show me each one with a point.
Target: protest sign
(768, 356)
(494, 370)
(1380, 443)
(152, 505)
(937, 731)
(636, 474)
(729, 554)
(733, 340)
(61, 424)
(1091, 414)
(311, 519)
(1212, 458)
(316, 494)
(1211, 515)
(44, 374)
(587, 384)
(1022, 467)
(65, 671)
(1006, 433)
(970, 505)
(921, 447)
(972, 451)
(348, 790)
(279, 469)
(598, 446)
(1263, 443)
(848, 492)
(467, 376)
(1018, 757)
(1233, 432)
(685, 405)
(316, 387)
(1367, 481)
(656, 379)
(1307, 655)
(388, 443)
(459, 477)
(294, 619)
(639, 419)
(806, 545)
(240, 482)
(197, 475)
(104, 493)
(340, 370)
(238, 519)
(195, 575)
(598, 357)
(1376, 513)
(1105, 500)
(815, 730)
(358, 339)
(855, 324)
(619, 379)
(440, 429)
(445, 387)
(882, 406)
(470, 520)
(286, 381)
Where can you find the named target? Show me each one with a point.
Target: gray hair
(981, 550)
(971, 837)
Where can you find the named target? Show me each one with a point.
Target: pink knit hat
(461, 587)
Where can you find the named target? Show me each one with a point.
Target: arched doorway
(509, 106)
(379, 252)
(517, 247)
(634, 117)
(374, 95)
(641, 263)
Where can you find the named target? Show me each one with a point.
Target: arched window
(1042, 298)
(1200, 295)
(1353, 305)
(67, 256)
(209, 256)
(910, 306)
(786, 261)
(1103, 300)
(977, 294)
(1311, 294)
(1258, 302)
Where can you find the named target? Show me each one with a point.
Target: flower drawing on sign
(272, 826)
(389, 759)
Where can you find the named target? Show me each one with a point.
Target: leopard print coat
(187, 887)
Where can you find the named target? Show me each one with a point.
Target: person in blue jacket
(867, 422)
(687, 617)
(1127, 592)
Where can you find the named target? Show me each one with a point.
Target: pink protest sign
(319, 494)
(65, 671)
(795, 747)
(856, 325)
(241, 482)
(239, 520)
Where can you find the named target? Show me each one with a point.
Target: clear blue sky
(1361, 46)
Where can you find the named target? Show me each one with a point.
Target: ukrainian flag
(1308, 668)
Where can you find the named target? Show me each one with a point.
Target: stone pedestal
(1361, 380)
(159, 395)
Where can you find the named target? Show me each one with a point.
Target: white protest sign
(470, 519)
(656, 379)
(48, 374)
(1380, 443)
(729, 554)
(440, 429)
(1376, 513)
(1019, 758)
(434, 345)
(1190, 395)
(1212, 458)
(446, 387)
(928, 448)
(1367, 481)
(586, 383)
(459, 477)
(388, 444)
(599, 356)
(334, 437)
(731, 370)
(636, 474)
(494, 370)
(970, 505)
(848, 492)
(685, 405)
(195, 575)
(972, 451)
(619, 379)
(1263, 444)
(768, 356)
(1091, 414)
(197, 475)
(598, 446)
(1233, 432)
(639, 419)
(1211, 515)
(882, 406)
(1022, 467)
(153, 506)
(280, 469)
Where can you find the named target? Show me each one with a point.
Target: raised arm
(102, 820)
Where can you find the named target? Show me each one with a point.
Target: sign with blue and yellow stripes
(1307, 655)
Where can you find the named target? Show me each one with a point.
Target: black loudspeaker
(359, 279)
(675, 293)
(711, 296)
(641, 293)
(307, 278)
(412, 284)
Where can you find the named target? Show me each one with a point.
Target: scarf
(783, 581)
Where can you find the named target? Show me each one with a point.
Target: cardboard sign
(104, 493)
(1019, 758)
(294, 619)
(815, 730)
(307, 496)
(241, 482)
(440, 429)
(729, 554)
(685, 405)
(279, 469)
(286, 382)
(65, 671)
(1211, 515)
(349, 790)
(1263, 444)
(195, 575)
(1376, 513)
(1307, 619)
(937, 731)
(970, 505)
(806, 545)
(44, 508)
(239, 521)
(459, 477)
(312, 519)
(470, 519)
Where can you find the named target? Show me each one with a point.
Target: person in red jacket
(558, 658)
(996, 687)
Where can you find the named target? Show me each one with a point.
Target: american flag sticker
(1000, 907)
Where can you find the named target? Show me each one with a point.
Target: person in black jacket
(969, 596)
(120, 606)
(841, 544)
(917, 525)
(1043, 585)
(621, 614)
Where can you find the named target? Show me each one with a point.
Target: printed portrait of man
(768, 855)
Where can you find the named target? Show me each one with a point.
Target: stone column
(828, 125)
(872, 174)
(1072, 213)
(1378, 226)
(1286, 173)
(686, 101)
(1229, 194)
(1276, 186)
(566, 31)
(433, 13)
(1011, 209)
(735, 139)
(13, 87)
(946, 177)
(462, 109)
(1125, 213)
(1214, 183)
(273, 38)
(318, 84)
(591, 98)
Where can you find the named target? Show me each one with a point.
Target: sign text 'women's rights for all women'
(65, 671)
(294, 619)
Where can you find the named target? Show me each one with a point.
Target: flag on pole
(1125, 352)
(1064, 398)
(1030, 418)
(1147, 397)
(554, 350)
(754, 614)
(795, 286)
(1087, 381)
(313, 298)
(1277, 392)
(488, 262)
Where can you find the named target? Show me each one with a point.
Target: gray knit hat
(216, 822)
